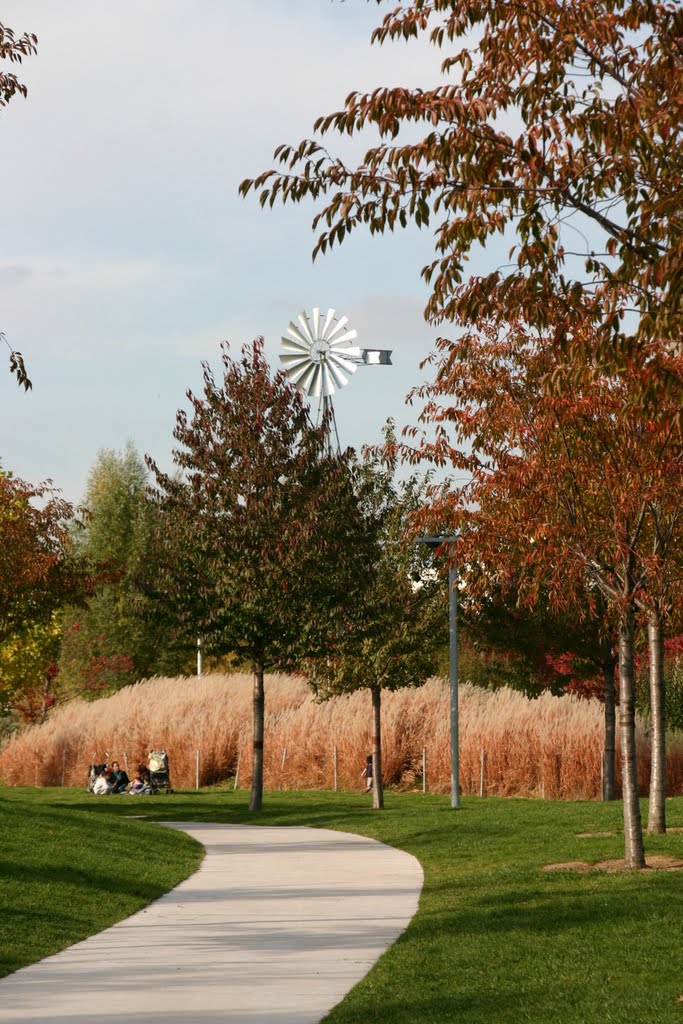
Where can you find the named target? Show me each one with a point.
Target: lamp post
(435, 543)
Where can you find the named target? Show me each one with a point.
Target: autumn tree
(550, 132)
(274, 551)
(38, 574)
(392, 639)
(14, 49)
(564, 492)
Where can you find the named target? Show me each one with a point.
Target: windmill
(319, 359)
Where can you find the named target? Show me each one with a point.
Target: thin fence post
(125, 761)
(424, 769)
(282, 764)
(602, 774)
(237, 770)
(197, 772)
(482, 763)
(63, 764)
(334, 765)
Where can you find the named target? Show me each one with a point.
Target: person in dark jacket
(119, 778)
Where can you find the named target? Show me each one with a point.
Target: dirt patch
(657, 862)
(595, 835)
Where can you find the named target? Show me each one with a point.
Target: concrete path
(274, 928)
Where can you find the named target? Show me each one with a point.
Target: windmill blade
(295, 333)
(338, 378)
(306, 378)
(300, 376)
(315, 387)
(328, 384)
(303, 320)
(341, 324)
(295, 362)
(348, 336)
(316, 322)
(290, 346)
(342, 364)
(329, 318)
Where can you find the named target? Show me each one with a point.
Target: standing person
(120, 778)
(367, 774)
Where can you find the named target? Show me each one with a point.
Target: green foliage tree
(117, 638)
(28, 670)
(394, 638)
(263, 551)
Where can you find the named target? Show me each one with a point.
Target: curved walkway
(275, 927)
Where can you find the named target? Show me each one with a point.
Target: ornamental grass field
(509, 745)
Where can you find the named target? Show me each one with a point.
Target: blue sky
(126, 255)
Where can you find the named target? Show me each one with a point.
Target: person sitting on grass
(141, 783)
(120, 778)
(104, 783)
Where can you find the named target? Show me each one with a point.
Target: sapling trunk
(609, 773)
(634, 851)
(377, 787)
(656, 818)
(256, 800)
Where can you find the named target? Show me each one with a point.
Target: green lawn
(495, 940)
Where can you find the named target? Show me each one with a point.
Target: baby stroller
(159, 778)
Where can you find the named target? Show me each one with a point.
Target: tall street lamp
(435, 543)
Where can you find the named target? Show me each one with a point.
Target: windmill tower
(319, 359)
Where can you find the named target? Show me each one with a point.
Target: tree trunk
(256, 801)
(377, 787)
(609, 773)
(656, 819)
(634, 851)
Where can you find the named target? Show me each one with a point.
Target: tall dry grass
(548, 747)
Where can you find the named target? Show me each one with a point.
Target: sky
(126, 254)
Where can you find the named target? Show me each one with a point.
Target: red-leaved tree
(558, 126)
(569, 492)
